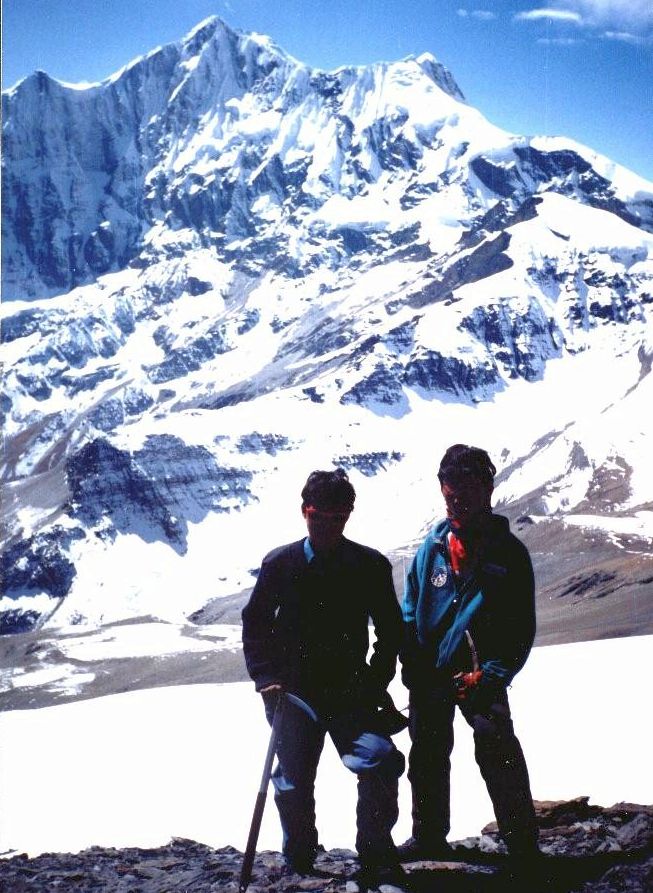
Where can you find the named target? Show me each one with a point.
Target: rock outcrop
(586, 848)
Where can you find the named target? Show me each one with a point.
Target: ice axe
(255, 827)
(466, 682)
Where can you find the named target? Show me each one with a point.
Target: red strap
(457, 553)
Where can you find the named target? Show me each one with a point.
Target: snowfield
(139, 768)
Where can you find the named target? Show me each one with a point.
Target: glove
(270, 695)
(466, 684)
(388, 720)
(481, 696)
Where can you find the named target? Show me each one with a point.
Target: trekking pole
(255, 827)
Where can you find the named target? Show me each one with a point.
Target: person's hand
(388, 720)
(271, 695)
(466, 684)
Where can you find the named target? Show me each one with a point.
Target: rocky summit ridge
(223, 268)
(586, 848)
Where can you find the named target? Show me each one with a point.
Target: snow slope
(138, 768)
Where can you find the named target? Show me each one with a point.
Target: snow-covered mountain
(223, 268)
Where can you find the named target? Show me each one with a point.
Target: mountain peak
(235, 236)
(440, 74)
(205, 28)
(203, 33)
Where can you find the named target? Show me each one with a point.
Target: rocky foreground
(586, 848)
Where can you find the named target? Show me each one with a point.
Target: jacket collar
(498, 527)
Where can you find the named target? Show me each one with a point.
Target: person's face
(325, 526)
(468, 501)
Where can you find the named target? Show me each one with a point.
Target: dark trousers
(373, 757)
(498, 754)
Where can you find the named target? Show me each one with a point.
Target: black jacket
(306, 625)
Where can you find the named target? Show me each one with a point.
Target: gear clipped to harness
(466, 683)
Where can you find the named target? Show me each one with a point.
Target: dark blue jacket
(496, 604)
(306, 625)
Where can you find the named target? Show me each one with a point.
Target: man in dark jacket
(305, 630)
(469, 620)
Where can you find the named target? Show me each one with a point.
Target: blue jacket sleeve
(411, 656)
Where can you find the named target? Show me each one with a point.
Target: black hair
(462, 461)
(328, 490)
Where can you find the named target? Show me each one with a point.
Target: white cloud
(483, 15)
(624, 37)
(626, 20)
(638, 14)
(558, 15)
(560, 41)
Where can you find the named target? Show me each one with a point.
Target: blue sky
(578, 68)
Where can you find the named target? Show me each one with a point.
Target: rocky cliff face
(222, 268)
(586, 848)
(90, 172)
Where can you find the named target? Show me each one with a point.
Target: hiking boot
(522, 849)
(387, 878)
(298, 866)
(302, 860)
(525, 872)
(299, 863)
(415, 850)
(527, 860)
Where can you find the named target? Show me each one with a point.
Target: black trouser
(498, 754)
(371, 756)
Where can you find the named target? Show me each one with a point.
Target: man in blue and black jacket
(469, 620)
(305, 631)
